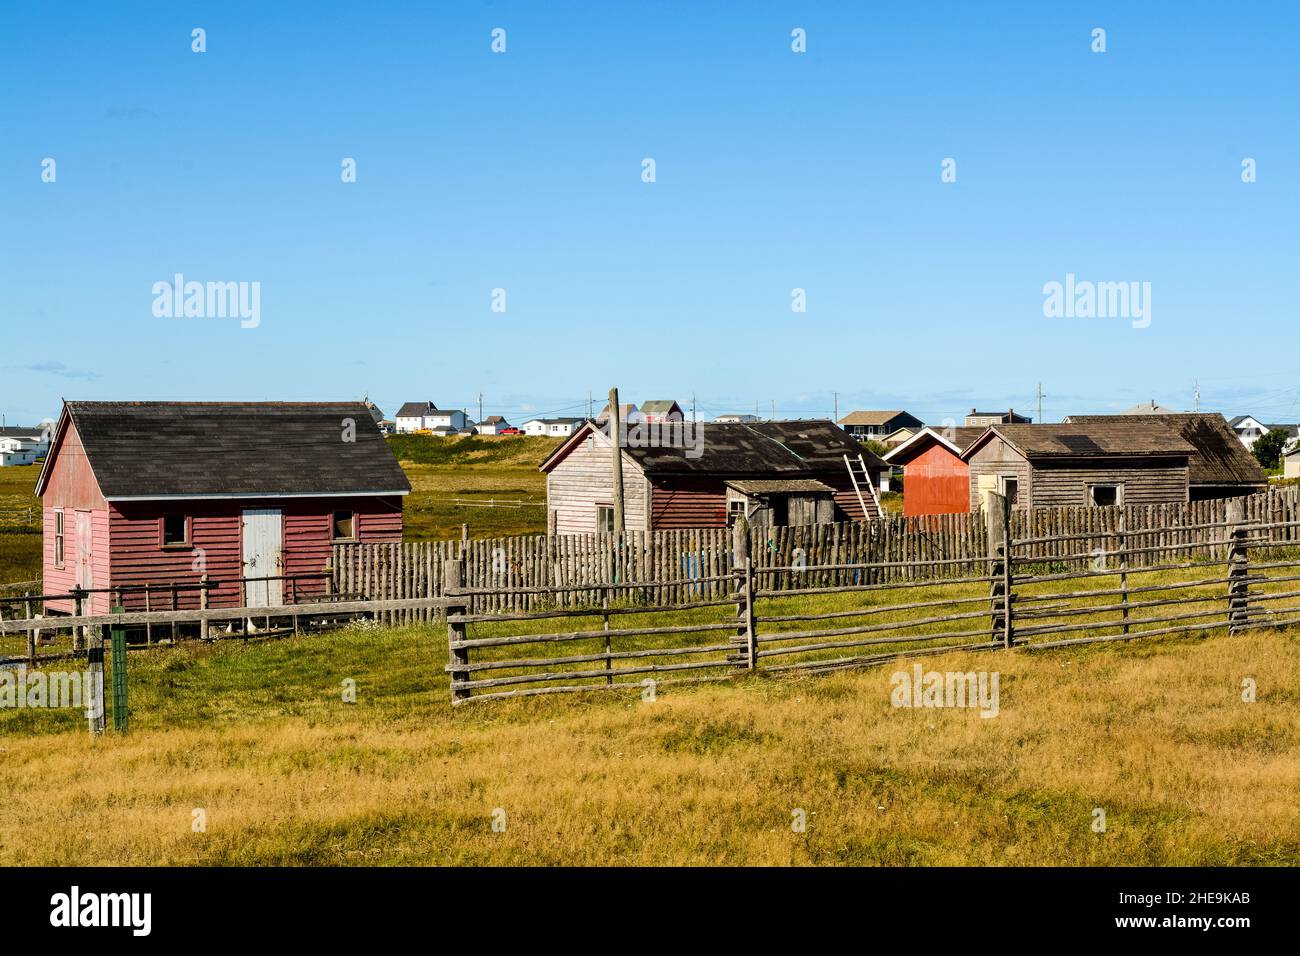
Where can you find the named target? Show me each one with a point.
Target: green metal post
(120, 711)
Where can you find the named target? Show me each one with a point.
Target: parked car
(511, 431)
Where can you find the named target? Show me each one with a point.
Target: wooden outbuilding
(162, 493)
(936, 480)
(1097, 463)
(1220, 465)
(700, 475)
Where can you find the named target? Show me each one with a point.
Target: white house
(1250, 429)
(1291, 460)
(426, 416)
(736, 418)
(552, 427)
(493, 425)
(22, 446)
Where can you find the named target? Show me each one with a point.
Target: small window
(1105, 496)
(735, 508)
(345, 526)
(1011, 489)
(58, 539)
(605, 519)
(175, 530)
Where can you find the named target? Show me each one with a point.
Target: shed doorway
(262, 542)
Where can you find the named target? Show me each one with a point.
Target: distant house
(661, 410)
(977, 419)
(777, 473)
(552, 427)
(1220, 467)
(492, 425)
(1250, 429)
(876, 425)
(374, 410)
(627, 413)
(1291, 461)
(1124, 462)
(426, 416)
(1149, 408)
(935, 478)
(898, 436)
(733, 418)
(164, 492)
(23, 446)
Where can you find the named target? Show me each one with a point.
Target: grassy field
(20, 545)
(257, 736)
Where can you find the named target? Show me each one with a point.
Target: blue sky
(775, 171)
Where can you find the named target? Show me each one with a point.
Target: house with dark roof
(166, 492)
(1250, 429)
(701, 475)
(661, 410)
(492, 425)
(978, 419)
(1130, 461)
(1219, 467)
(428, 417)
(875, 425)
(21, 445)
(935, 478)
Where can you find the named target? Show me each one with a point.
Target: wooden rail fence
(1104, 582)
(529, 572)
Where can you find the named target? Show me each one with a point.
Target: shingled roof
(959, 437)
(1104, 436)
(1219, 459)
(232, 449)
(743, 450)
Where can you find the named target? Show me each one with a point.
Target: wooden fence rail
(529, 572)
(1239, 573)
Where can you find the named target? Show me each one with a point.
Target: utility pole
(693, 418)
(615, 434)
(774, 409)
(480, 408)
(1040, 403)
(1196, 384)
(589, 409)
(837, 405)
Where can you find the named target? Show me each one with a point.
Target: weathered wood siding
(71, 486)
(1150, 481)
(688, 503)
(996, 458)
(138, 556)
(936, 482)
(584, 479)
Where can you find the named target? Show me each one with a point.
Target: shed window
(735, 508)
(1104, 496)
(345, 525)
(605, 519)
(58, 538)
(175, 530)
(1011, 489)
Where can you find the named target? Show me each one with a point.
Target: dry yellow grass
(1153, 732)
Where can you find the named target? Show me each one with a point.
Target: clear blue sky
(774, 171)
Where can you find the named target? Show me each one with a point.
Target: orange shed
(935, 479)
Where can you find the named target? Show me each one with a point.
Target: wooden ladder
(861, 476)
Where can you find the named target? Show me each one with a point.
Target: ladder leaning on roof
(862, 476)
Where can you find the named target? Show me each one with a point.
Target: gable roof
(871, 417)
(740, 450)
(1219, 458)
(1113, 436)
(658, 405)
(415, 409)
(956, 440)
(14, 431)
(145, 450)
(1144, 408)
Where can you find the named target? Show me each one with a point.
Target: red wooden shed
(163, 493)
(935, 479)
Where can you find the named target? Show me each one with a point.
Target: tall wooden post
(616, 436)
(453, 586)
(78, 633)
(1238, 567)
(997, 521)
(203, 605)
(95, 676)
(745, 595)
(1123, 566)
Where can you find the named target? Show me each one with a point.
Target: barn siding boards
(996, 458)
(935, 482)
(1146, 482)
(689, 503)
(574, 491)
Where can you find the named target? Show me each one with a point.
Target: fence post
(453, 586)
(203, 605)
(95, 677)
(1238, 568)
(121, 712)
(609, 661)
(78, 633)
(744, 567)
(1123, 566)
(997, 517)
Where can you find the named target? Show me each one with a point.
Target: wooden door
(262, 543)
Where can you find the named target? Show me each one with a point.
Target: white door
(85, 552)
(262, 557)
